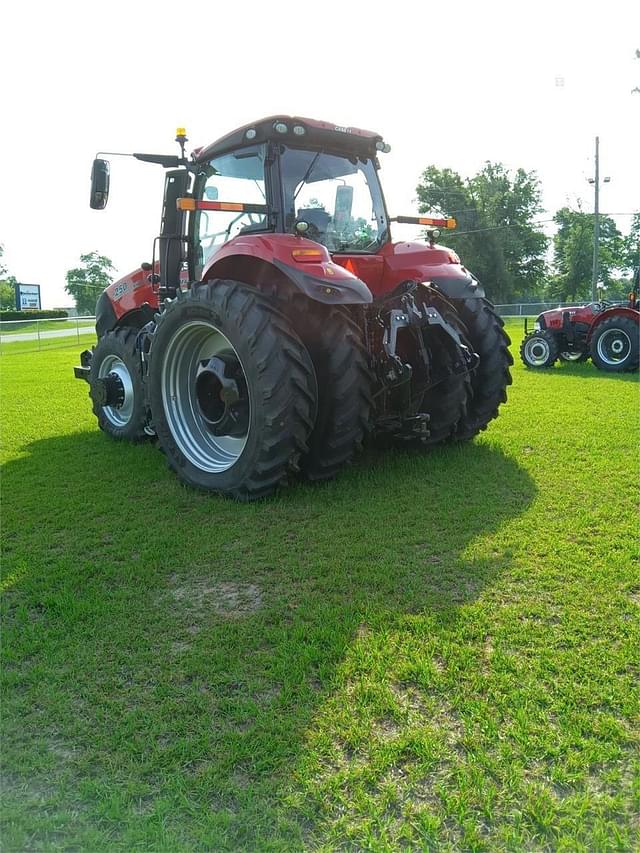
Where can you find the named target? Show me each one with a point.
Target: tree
(573, 254)
(7, 285)
(631, 250)
(86, 282)
(497, 237)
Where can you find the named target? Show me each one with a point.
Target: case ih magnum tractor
(609, 334)
(278, 324)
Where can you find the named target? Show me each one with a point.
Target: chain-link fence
(32, 335)
(532, 309)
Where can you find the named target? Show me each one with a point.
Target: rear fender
(618, 311)
(465, 286)
(428, 262)
(269, 262)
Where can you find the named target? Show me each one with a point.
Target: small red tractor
(277, 325)
(608, 334)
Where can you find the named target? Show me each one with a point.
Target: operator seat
(318, 220)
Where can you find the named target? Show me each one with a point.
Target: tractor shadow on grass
(204, 637)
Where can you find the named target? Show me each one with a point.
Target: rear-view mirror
(99, 185)
(343, 205)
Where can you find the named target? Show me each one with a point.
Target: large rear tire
(340, 360)
(116, 386)
(615, 346)
(491, 377)
(232, 390)
(447, 401)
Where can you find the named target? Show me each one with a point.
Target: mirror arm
(169, 161)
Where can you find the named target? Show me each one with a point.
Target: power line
(500, 227)
(524, 224)
(77, 283)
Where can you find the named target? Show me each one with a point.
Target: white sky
(451, 83)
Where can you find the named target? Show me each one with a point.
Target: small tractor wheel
(491, 377)
(339, 357)
(615, 346)
(447, 401)
(232, 389)
(116, 388)
(573, 356)
(539, 349)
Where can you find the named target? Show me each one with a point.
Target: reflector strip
(425, 220)
(192, 204)
(307, 256)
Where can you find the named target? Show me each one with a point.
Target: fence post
(78, 328)
(38, 331)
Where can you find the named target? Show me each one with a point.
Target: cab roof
(308, 133)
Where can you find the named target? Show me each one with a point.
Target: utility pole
(596, 223)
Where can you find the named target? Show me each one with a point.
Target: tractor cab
(298, 177)
(314, 184)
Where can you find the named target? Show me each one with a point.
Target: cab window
(237, 177)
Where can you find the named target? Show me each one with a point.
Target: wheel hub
(222, 397)
(537, 351)
(205, 396)
(108, 391)
(614, 346)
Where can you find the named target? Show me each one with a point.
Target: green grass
(436, 651)
(74, 342)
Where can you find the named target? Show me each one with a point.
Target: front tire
(116, 386)
(615, 345)
(539, 349)
(232, 390)
(490, 379)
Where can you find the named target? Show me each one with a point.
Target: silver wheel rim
(571, 356)
(614, 346)
(121, 415)
(191, 345)
(536, 351)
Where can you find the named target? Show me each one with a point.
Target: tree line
(499, 236)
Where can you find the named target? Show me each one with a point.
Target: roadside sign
(27, 296)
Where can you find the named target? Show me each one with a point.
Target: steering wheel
(254, 219)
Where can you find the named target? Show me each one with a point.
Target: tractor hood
(554, 318)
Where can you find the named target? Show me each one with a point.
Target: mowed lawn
(438, 651)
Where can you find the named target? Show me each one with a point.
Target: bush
(33, 315)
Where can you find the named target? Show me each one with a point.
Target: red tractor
(609, 334)
(277, 324)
